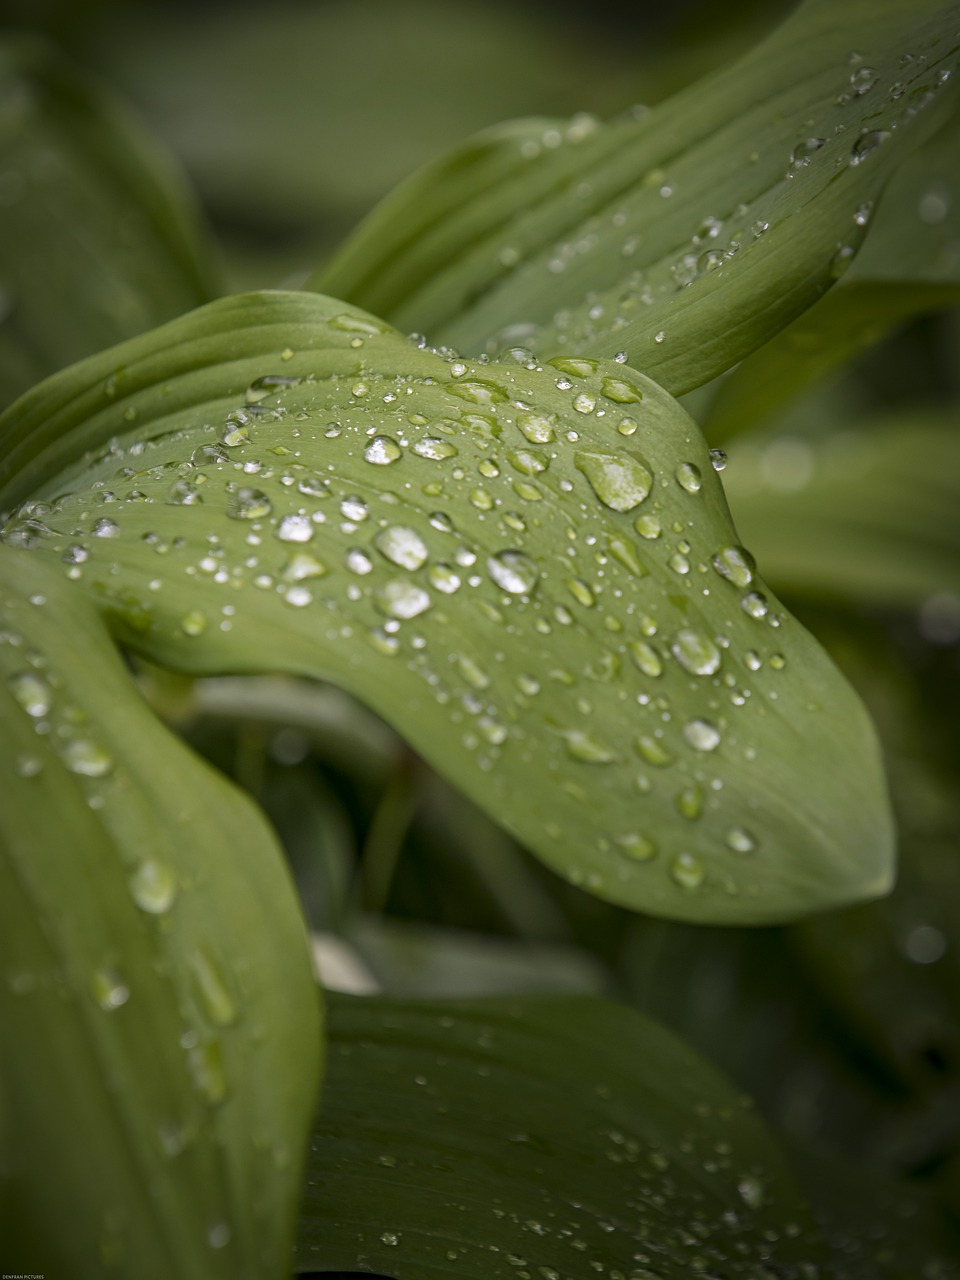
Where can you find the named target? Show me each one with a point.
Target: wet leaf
(871, 515)
(549, 1137)
(686, 237)
(531, 573)
(99, 240)
(160, 1054)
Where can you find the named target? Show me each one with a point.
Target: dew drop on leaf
(401, 546)
(513, 572)
(153, 887)
(620, 481)
(687, 871)
(736, 564)
(695, 652)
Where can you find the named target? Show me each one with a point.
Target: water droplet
(755, 604)
(249, 504)
(88, 758)
(302, 566)
(218, 1235)
(862, 214)
(695, 652)
(184, 493)
(659, 337)
(584, 403)
(653, 751)
(804, 151)
(295, 528)
(260, 388)
(866, 144)
(402, 546)
(437, 450)
(740, 840)
(212, 991)
(862, 80)
(472, 672)
(924, 944)
(481, 499)
(576, 366)
(625, 553)
(777, 661)
(527, 463)
(444, 578)
(842, 260)
(390, 1237)
(233, 434)
(751, 1190)
(403, 600)
(358, 561)
(688, 477)
(620, 391)
(621, 482)
(537, 428)
(106, 528)
(109, 989)
(687, 871)
(205, 1061)
(382, 450)
(31, 692)
(635, 847)
(153, 887)
(583, 747)
(718, 459)
(645, 657)
(513, 572)
(736, 564)
(581, 592)
(689, 802)
(701, 735)
(648, 526)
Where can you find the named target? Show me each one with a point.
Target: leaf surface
(530, 572)
(99, 239)
(546, 1137)
(160, 1056)
(686, 237)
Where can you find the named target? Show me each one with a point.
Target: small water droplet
(689, 802)
(620, 481)
(295, 528)
(402, 546)
(803, 152)
(648, 526)
(382, 451)
(866, 144)
(249, 504)
(391, 1238)
(88, 758)
(584, 403)
(718, 459)
(109, 989)
(437, 450)
(736, 564)
(537, 428)
(653, 751)
(358, 561)
(635, 847)
(218, 1235)
(153, 887)
(688, 477)
(751, 1190)
(701, 735)
(576, 366)
(862, 80)
(620, 391)
(260, 388)
(513, 572)
(755, 604)
(581, 592)
(444, 578)
(695, 652)
(302, 566)
(106, 528)
(740, 840)
(212, 990)
(586, 749)
(31, 692)
(687, 871)
(403, 600)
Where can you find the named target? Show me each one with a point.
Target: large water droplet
(295, 528)
(736, 564)
(31, 692)
(301, 566)
(576, 366)
(88, 758)
(153, 887)
(193, 623)
(695, 652)
(513, 572)
(382, 450)
(260, 388)
(444, 577)
(803, 151)
(402, 546)
(537, 428)
(646, 657)
(621, 482)
(249, 504)
(862, 80)
(755, 604)
(620, 391)
(436, 450)
(866, 144)
(403, 600)
(687, 871)
(701, 735)
(689, 477)
(585, 748)
(740, 840)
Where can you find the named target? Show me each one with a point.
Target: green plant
(509, 539)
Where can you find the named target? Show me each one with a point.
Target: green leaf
(159, 1062)
(687, 237)
(909, 267)
(870, 515)
(99, 239)
(531, 573)
(544, 1137)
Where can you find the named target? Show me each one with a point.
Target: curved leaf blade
(685, 238)
(555, 1136)
(871, 516)
(530, 572)
(160, 1056)
(99, 239)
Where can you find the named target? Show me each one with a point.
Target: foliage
(393, 624)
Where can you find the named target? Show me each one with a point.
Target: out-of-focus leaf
(419, 960)
(685, 238)
(909, 266)
(558, 1136)
(871, 514)
(530, 572)
(159, 1060)
(99, 239)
